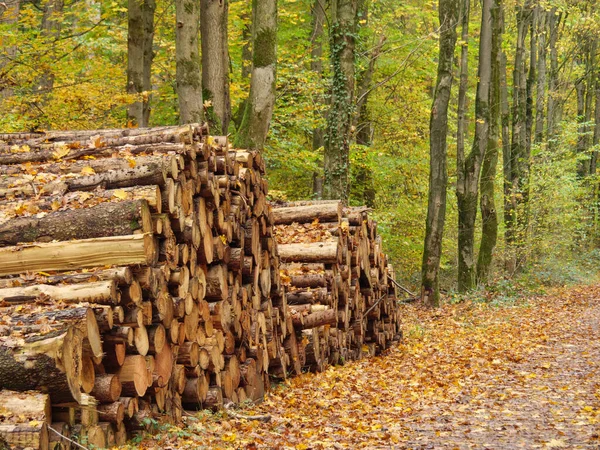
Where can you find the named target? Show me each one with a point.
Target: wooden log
(328, 212)
(121, 275)
(107, 388)
(133, 375)
(118, 250)
(319, 318)
(16, 407)
(324, 252)
(103, 292)
(216, 283)
(104, 219)
(111, 412)
(32, 435)
(59, 434)
(50, 362)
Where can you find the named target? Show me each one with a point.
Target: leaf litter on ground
(467, 375)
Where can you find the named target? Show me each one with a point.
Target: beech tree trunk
(259, 106)
(140, 35)
(215, 63)
(469, 168)
(553, 107)
(541, 79)
(489, 215)
(462, 124)
(438, 172)
(8, 15)
(188, 75)
(339, 118)
(515, 175)
(316, 59)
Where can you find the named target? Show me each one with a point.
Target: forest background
(75, 77)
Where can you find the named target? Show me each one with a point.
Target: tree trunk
(259, 106)
(541, 81)
(215, 63)
(8, 16)
(462, 125)
(516, 171)
(140, 35)
(438, 173)
(469, 168)
(489, 215)
(316, 60)
(188, 73)
(553, 107)
(337, 136)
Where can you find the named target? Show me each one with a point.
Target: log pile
(337, 280)
(140, 276)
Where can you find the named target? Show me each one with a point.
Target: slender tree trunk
(469, 170)
(438, 171)
(215, 63)
(339, 119)
(553, 107)
(489, 215)
(259, 106)
(364, 131)
(8, 16)
(462, 125)
(189, 83)
(541, 81)
(316, 59)
(140, 36)
(581, 145)
(516, 173)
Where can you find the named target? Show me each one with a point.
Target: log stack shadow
(143, 273)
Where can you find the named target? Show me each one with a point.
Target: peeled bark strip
(69, 255)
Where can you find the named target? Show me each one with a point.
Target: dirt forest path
(523, 375)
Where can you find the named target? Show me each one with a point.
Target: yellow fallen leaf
(120, 194)
(131, 162)
(55, 205)
(88, 171)
(555, 443)
(61, 152)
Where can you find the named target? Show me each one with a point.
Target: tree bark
(438, 172)
(469, 168)
(462, 124)
(339, 118)
(105, 219)
(553, 107)
(515, 171)
(8, 16)
(140, 35)
(540, 105)
(489, 215)
(316, 60)
(215, 63)
(259, 105)
(188, 71)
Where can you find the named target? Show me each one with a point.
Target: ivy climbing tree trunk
(469, 168)
(188, 76)
(438, 170)
(487, 204)
(140, 36)
(215, 63)
(339, 118)
(259, 106)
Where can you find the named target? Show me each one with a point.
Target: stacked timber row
(138, 276)
(339, 286)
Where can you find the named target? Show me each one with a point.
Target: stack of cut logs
(140, 276)
(339, 287)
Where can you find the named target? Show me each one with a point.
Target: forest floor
(468, 375)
